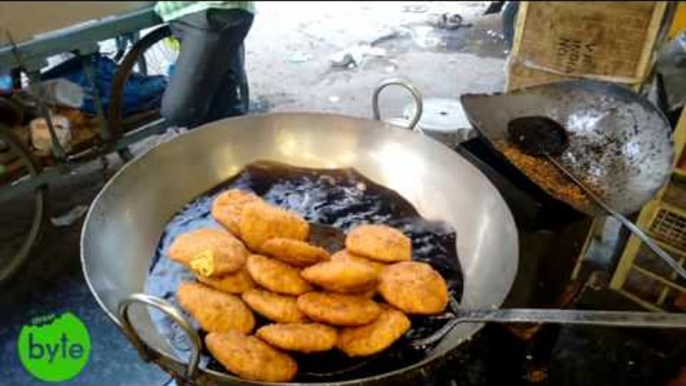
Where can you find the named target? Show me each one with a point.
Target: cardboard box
(611, 41)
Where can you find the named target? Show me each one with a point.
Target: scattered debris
(261, 104)
(341, 59)
(299, 57)
(355, 56)
(70, 217)
(41, 138)
(58, 92)
(537, 376)
(495, 34)
(425, 37)
(415, 8)
(391, 34)
(448, 21)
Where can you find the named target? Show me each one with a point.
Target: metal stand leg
(89, 70)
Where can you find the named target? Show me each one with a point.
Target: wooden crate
(641, 275)
(608, 41)
(520, 76)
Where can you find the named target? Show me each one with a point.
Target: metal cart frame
(30, 56)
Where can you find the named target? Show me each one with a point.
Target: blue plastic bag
(141, 93)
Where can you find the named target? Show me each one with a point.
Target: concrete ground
(289, 61)
(289, 53)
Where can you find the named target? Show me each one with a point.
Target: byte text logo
(54, 349)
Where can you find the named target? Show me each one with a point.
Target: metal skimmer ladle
(523, 315)
(542, 136)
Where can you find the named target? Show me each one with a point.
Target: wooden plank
(679, 22)
(519, 28)
(645, 62)
(679, 137)
(640, 301)
(659, 278)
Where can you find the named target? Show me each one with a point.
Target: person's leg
(206, 48)
(227, 102)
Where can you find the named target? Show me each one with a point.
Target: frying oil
(341, 198)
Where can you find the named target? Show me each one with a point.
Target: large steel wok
(125, 221)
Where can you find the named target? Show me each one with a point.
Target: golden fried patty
(347, 256)
(261, 221)
(208, 252)
(341, 276)
(228, 205)
(303, 337)
(337, 309)
(277, 276)
(294, 252)
(379, 242)
(250, 358)
(414, 288)
(374, 337)
(233, 283)
(275, 307)
(215, 311)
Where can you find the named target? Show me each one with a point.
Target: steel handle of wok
(416, 96)
(172, 312)
(625, 221)
(578, 317)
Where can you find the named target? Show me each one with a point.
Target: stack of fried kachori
(260, 261)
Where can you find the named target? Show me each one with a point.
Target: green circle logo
(54, 349)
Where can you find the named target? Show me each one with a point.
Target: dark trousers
(205, 84)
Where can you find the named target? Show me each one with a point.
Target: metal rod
(578, 317)
(594, 318)
(628, 224)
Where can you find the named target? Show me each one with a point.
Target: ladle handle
(416, 96)
(538, 316)
(595, 318)
(625, 221)
(169, 310)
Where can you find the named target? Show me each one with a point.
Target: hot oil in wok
(342, 198)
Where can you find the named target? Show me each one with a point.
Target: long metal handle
(625, 221)
(594, 318)
(172, 312)
(537, 316)
(416, 96)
